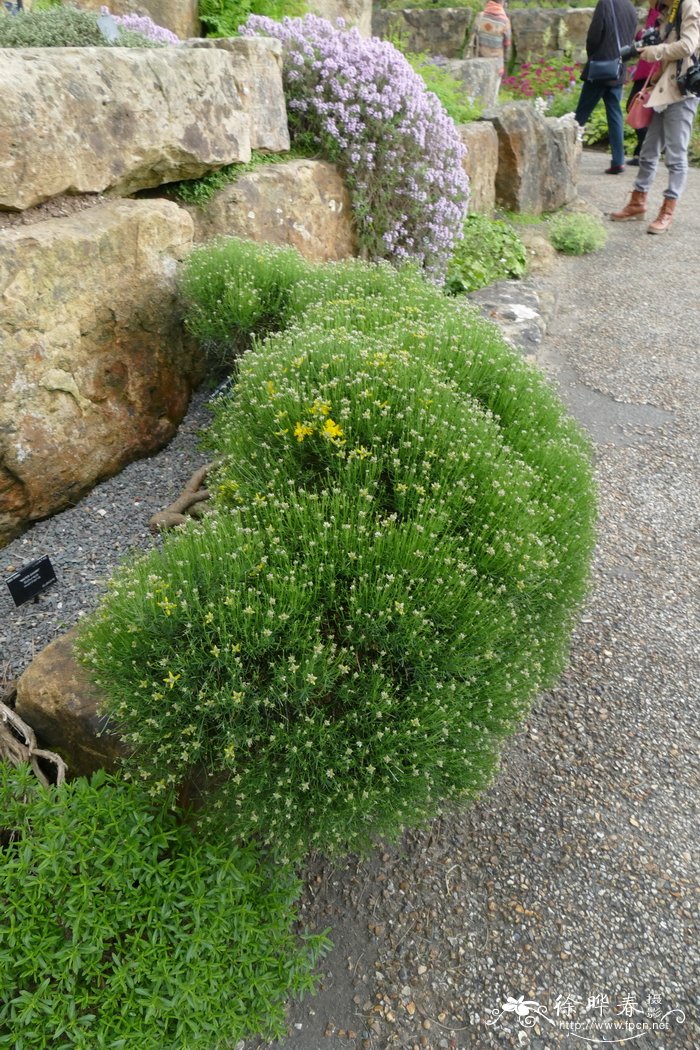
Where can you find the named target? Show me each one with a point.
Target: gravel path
(573, 882)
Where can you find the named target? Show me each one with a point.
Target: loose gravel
(573, 881)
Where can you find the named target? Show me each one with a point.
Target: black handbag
(607, 68)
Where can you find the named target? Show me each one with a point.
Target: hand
(651, 54)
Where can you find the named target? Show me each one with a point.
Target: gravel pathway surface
(573, 882)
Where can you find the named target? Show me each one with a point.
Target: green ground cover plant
(575, 233)
(121, 928)
(402, 528)
(448, 89)
(489, 251)
(199, 191)
(64, 27)
(224, 18)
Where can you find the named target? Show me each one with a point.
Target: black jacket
(600, 41)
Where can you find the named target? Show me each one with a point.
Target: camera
(649, 38)
(689, 82)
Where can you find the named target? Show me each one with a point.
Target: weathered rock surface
(122, 119)
(440, 31)
(479, 78)
(179, 16)
(57, 699)
(303, 203)
(541, 32)
(537, 159)
(480, 164)
(257, 74)
(95, 369)
(355, 13)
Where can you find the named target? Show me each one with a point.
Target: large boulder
(257, 75)
(95, 369)
(303, 203)
(479, 78)
(537, 159)
(480, 164)
(179, 16)
(542, 32)
(354, 13)
(437, 31)
(56, 698)
(121, 119)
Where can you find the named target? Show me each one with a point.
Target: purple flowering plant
(144, 25)
(362, 104)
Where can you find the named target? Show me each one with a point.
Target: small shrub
(448, 89)
(576, 233)
(119, 928)
(489, 251)
(403, 528)
(360, 102)
(143, 27)
(63, 27)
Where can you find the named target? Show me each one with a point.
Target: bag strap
(617, 35)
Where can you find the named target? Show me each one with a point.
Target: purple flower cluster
(145, 26)
(370, 112)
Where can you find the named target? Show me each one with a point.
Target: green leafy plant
(223, 18)
(121, 928)
(404, 518)
(63, 27)
(576, 233)
(489, 251)
(447, 88)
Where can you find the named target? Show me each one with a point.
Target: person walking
(612, 27)
(492, 35)
(674, 113)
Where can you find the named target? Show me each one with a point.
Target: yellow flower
(270, 387)
(320, 408)
(171, 679)
(332, 430)
(302, 430)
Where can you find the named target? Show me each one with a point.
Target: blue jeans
(591, 94)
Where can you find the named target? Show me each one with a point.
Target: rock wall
(542, 32)
(537, 159)
(95, 368)
(354, 13)
(302, 203)
(481, 165)
(125, 119)
(438, 31)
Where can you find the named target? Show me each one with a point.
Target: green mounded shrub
(576, 233)
(403, 528)
(119, 928)
(63, 27)
(489, 251)
(448, 89)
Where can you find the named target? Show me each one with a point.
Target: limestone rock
(541, 32)
(57, 699)
(355, 13)
(480, 164)
(541, 254)
(179, 16)
(303, 203)
(257, 74)
(537, 159)
(479, 78)
(436, 31)
(115, 118)
(95, 369)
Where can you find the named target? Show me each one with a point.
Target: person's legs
(589, 98)
(678, 124)
(650, 152)
(616, 133)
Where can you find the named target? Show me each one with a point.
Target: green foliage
(576, 233)
(119, 928)
(62, 27)
(223, 18)
(448, 89)
(404, 520)
(199, 191)
(489, 251)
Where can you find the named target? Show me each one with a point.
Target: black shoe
(615, 169)
(633, 162)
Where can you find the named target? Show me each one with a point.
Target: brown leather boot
(636, 208)
(663, 220)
